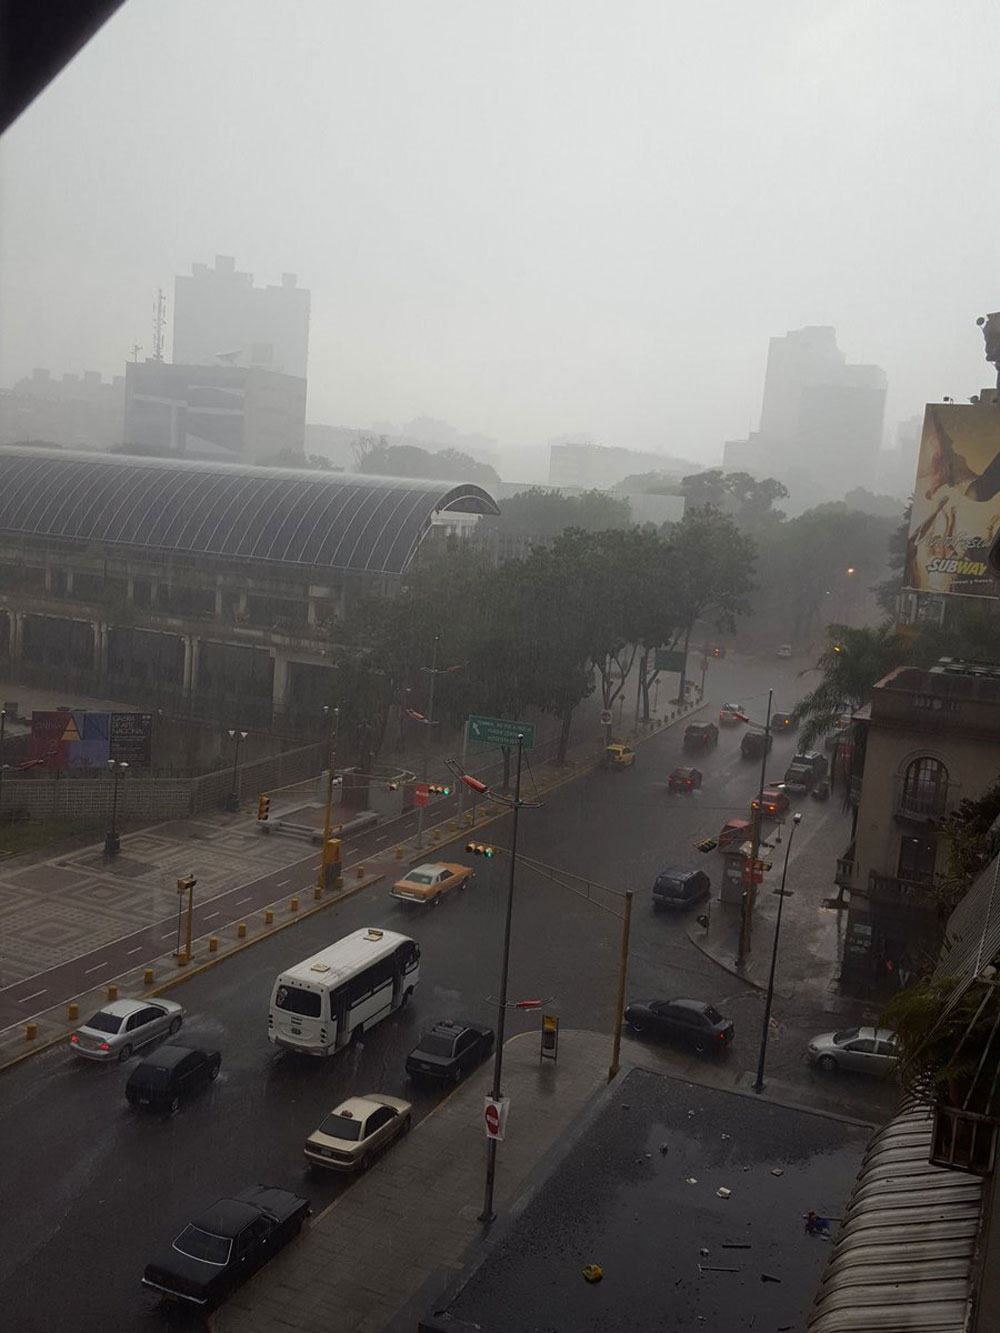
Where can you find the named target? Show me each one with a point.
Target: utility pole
(759, 1083)
(333, 723)
(620, 997)
(749, 889)
(112, 842)
(3, 730)
(428, 723)
(233, 804)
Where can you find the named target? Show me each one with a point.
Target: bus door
(338, 1013)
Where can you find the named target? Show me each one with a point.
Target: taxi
(774, 801)
(426, 883)
(730, 715)
(619, 756)
(734, 833)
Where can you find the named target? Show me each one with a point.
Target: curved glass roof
(330, 520)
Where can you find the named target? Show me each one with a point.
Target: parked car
(619, 756)
(755, 744)
(774, 801)
(123, 1026)
(164, 1079)
(701, 736)
(734, 833)
(805, 770)
(784, 650)
(684, 779)
(225, 1244)
(449, 1050)
(352, 1134)
(680, 888)
(784, 723)
(868, 1050)
(730, 715)
(691, 1021)
(426, 883)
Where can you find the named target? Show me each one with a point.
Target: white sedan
(351, 1136)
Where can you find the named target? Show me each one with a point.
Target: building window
(916, 860)
(925, 787)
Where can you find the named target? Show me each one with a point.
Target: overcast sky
(527, 217)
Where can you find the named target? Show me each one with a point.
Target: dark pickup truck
(805, 771)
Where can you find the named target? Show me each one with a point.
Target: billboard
(956, 499)
(78, 740)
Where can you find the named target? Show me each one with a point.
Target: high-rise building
(220, 317)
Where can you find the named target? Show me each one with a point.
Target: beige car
(426, 883)
(351, 1136)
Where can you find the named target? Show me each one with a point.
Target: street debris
(723, 1193)
(777, 1171)
(593, 1272)
(766, 1277)
(691, 1180)
(714, 1268)
(664, 1149)
(704, 1251)
(726, 1136)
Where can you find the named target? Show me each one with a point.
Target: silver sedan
(867, 1050)
(123, 1026)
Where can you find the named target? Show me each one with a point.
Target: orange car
(426, 883)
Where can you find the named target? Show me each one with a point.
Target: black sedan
(449, 1050)
(225, 1244)
(692, 1021)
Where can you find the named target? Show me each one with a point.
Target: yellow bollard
(241, 930)
(399, 853)
(360, 872)
(213, 944)
(269, 918)
(293, 906)
(147, 977)
(453, 825)
(112, 991)
(72, 1013)
(317, 892)
(30, 1031)
(183, 958)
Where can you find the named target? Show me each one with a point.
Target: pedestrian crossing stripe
(72, 732)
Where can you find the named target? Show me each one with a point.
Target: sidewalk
(811, 933)
(385, 1252)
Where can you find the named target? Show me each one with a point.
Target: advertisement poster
(78, 740)
(956, 499)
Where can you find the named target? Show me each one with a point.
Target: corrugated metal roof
(330, 520)
(902, 1261)
(972, 939)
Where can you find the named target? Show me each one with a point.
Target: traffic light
(438, 789)
(707, 844)
(263, 806)
(480, 849)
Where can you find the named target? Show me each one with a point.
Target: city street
(91, 1188)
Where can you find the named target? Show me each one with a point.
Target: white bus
(321, 1003)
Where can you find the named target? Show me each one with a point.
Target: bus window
(296, 1001)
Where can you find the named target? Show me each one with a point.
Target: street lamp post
(428, 723)
(238, 736)
(747, 900)
(3, 729)
(759, 1084)
(333, 724)
(112, 842)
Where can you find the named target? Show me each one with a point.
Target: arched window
(925, 787)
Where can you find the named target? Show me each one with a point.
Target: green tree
(380, 459)
(852, 664)
(543, 514)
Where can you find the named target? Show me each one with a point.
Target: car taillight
(105, 1046)
(722, 1036)
(74, 1039)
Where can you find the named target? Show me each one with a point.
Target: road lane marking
(96, 967)
(283, 882)
(209, 917)
(138, 949)
(243, 900)
(168, 936)
(32, 997)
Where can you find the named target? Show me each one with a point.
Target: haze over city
(525, 220)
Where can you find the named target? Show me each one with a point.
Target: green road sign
(666, 660)
(500, 731)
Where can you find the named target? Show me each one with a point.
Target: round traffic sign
(493, 1119)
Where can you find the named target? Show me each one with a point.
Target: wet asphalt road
(91, 1188)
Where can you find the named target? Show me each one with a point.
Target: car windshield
(105, 1022)
(848, 1034)
(434, 1045)
(297, 1001)
(341, 1127)
(668, 882)
(420, 877)
(198, 1244)
(712, 1015)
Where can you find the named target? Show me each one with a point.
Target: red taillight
(722, 1036)
(105, 1046)
(74, 1039)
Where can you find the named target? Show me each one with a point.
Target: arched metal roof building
(284, 516)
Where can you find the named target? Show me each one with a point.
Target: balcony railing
(892, 889)
(922, 804)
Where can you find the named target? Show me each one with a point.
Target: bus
(332, 998)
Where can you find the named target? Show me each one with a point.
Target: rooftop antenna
(159, 323)
(136, 349)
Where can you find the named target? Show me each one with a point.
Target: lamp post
(759, 1084)
(428, 723)
(3, 729)
(332, 716)
(234, 795)
(481, 789)
(747, 900)
(112, 842)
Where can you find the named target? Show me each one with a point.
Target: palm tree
(852, 663)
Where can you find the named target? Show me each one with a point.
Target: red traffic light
(475, 784)
(528, 1004)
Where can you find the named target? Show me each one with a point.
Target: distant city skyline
(522, 220)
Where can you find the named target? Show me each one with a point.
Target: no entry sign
(495, 1116)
